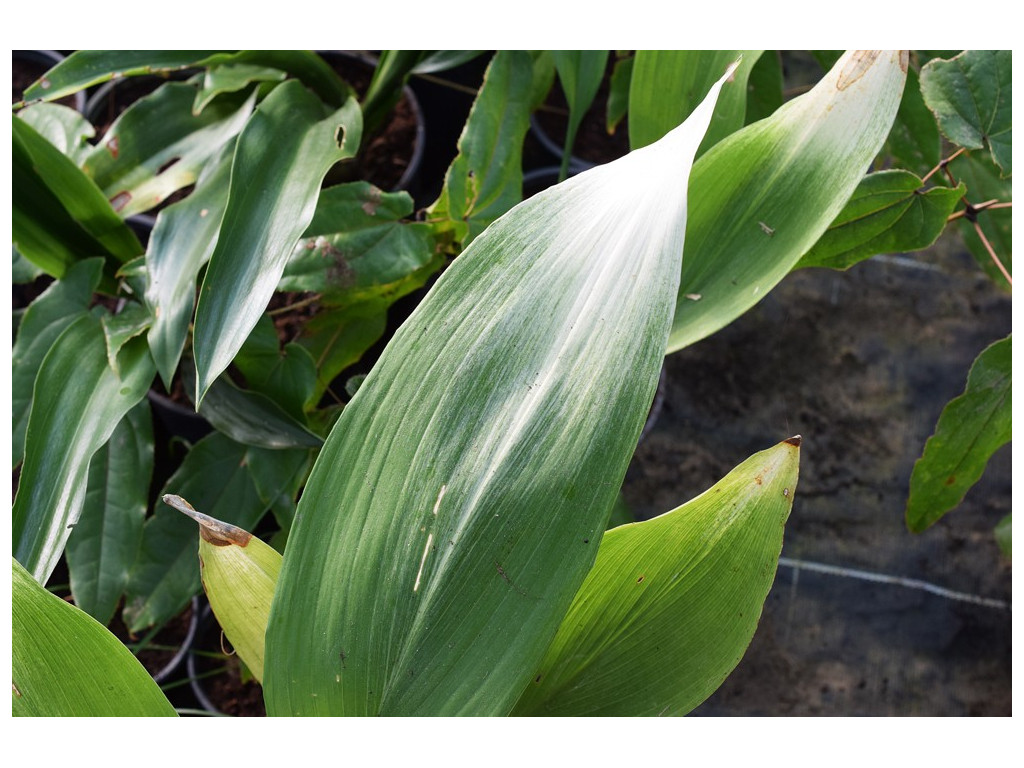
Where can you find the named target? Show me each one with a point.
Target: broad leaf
(764, 87)
(102, 547)
(914, 140)
(63, 127)
(486, 177)
(280, 159)
(231, 78)
(158, 146)
(132, 321)
(181, 243)
(77, 402)
(580, 74)
(971, 428)
(45, 319)
(971, 95)
(761, 197)
(458, 502)
(286, 376)
(66, 664)
(890, 212)
(672, 603)
(668, 85)
(219, 476)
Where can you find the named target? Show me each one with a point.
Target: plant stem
(297, 305)
(942, 165)
(992, 253)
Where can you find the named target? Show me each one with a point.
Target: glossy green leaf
(86, 68)
(131, 322)
(672, 603)
(63, 127)
(249, 417)
(971, 95)
(76, 403)
(45, 319)
(486, 177)
(181, 243)
(218, 475)
(457, 503)
(971, 428)
(389, 76)
(22, 271)
(761, 197)
(618, 92)
(66, 664)
(1004, 536)
(287, 376)
(102, 547)
(580, 74)
(914, 141)
(280, 159)
(158, 146)
(231, 78)
(59, 214)
(890, 212)
(441, 61)
(764, 87)
(980, 174)
(668, 85)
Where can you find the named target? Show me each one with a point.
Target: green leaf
(761, 197)
(385, 89)
(23, 271)
(104, 542)
(764, 87)
(618, 92)
(440, 61)
(218, 475)
(231, 78)
(66, 664)
(60, 215)
(914, 141)
(971, 428)
(158, 146)
(181, 243)
(288, 376)
(971, 95)
(580, 74)
(45, 319)
(1003, 534)
(486, 178)
(984, 183)
(249, 417)
(76, 403)
(63, 127)
(459, 499)
(129, 323)
(890, 212)
(281, 157)
(667, 85)
(672, 603)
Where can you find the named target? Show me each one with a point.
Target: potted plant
(473, 417)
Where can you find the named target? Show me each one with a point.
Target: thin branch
(942, 164)
(297, 305)
(446, 83)
(992, 253)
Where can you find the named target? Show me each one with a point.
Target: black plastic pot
(39, 63)
(201, 679)
(171, 666)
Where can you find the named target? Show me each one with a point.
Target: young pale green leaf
(671, 603)
(1004, 535)
(102, 547)
(580, 74)
(668, 85)
(486, 177)
(914, 141)
(63, 127)
(66, 664)
(158, 146)
(971, 428)
(280, 159)
(980, 174)
(237, 483)
(761, 197)
(181, 242)
(76, 403)
(45, 319)
(239, 573)
(971, 95)
(890, 212)
(60, 215)
(458, 502)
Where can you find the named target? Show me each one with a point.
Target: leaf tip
(795, 441)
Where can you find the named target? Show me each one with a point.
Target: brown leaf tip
(795, 441)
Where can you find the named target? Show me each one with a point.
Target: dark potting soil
(159, 650)
(24, 73)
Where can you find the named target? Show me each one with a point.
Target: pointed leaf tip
(795, 440)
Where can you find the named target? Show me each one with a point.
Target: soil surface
(860, 364)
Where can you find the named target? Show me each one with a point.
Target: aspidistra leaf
(458, 501)
(580, 74)
(671, 603)
(971, 428)
(280, 159)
